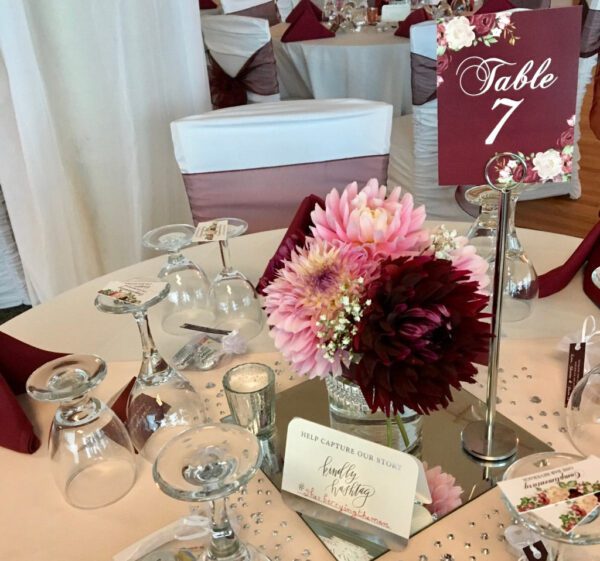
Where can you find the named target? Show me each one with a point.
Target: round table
(366, 65)
(40, 525)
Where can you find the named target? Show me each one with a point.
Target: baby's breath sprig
(443, 241)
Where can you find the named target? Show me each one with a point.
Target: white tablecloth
(38, 525)
(366, 65)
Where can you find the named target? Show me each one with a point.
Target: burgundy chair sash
(590, 31)
(267, 11)
(423, 78)
(531, 4)
(267, 198)
(258, 75)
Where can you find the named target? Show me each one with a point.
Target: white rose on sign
(459, 33)
(547, 164)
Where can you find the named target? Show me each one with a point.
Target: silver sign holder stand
(488, 440)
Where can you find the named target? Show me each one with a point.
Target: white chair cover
(260, 161)
(422, 177)
(395, 12)
(12, 282)
(266, 9)
(232, 40)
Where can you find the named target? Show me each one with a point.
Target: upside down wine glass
(236, 301)
(162, 402)
(91, 453)
(207, 464)
(188, 300)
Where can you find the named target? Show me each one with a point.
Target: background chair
(242, 66)
(414, 147)
(258, 162)
(252, 8)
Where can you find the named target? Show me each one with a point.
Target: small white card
(364, 480)
(136, 292)
(213, 231)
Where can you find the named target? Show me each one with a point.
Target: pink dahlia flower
(309, 291)
(386, 226)
(445, 494)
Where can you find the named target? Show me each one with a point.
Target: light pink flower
(308, 289)
(385, 226)
(445, 494)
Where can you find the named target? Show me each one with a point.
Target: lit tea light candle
(248, 378)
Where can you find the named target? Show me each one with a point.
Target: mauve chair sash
(590, 31)
(423, 78)
(258, 75)
(267, 198)
(267, 11)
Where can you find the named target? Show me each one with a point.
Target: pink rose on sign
(442, 63)
(483, 23)
(567, 138)
(567, 160)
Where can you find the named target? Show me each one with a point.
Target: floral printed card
(507, 82)
(564, 495)
(134, 291)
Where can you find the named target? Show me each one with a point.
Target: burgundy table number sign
(507, 82)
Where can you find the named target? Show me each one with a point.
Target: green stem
(402, 428)
(388, 426)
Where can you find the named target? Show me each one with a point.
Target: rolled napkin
(295, 235)
(306, 27)
(301, 7)
(417, 16)
(491, 6)
(588, 250)
(207, 5)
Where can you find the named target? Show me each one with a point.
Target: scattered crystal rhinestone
(437, 543)
(543, 414)
(485, 551)
(529, 376)
(484, 535)
(450, 536)
(500, 525)
(562, 429)
(283, 523)
(210, 385)
(275, 532)
(268, 502)
(529, 418)
(289, 538)
(246, 526)
(467, 545)
(447, 557)
(523, 368)
(535, 399)
(306, 552)
(472, 558)
(513, 402)
(257, 517)
(423, 557)
(471, 524)
(544, 426)
(556, 414)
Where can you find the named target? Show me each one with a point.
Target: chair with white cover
(258, 162)
(252, 8)
(395, 12)
(414, 151)
(242, 67)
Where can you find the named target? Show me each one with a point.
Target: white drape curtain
(87, 91)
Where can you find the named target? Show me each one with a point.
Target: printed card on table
(364, 480)
(507, 82)
(213, 231)
(134, 291)
(562, 496)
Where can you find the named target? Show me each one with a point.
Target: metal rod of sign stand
(488, 440)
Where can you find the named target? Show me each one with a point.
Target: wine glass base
(245, 553)
(100, 484)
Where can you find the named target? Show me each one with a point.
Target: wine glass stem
(224, 542)
(225, 256)
(152, 362)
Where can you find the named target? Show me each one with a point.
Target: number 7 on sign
(512, 104)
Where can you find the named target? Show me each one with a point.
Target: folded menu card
(363, 480)
(562, 496)
(135, 291)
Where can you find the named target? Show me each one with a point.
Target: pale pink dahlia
(309, 291)
(385, 226)
(445, 494)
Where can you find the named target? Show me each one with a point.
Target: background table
(367, 65)
(38, 525)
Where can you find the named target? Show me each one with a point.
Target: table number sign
(366, 481)
(507, 82)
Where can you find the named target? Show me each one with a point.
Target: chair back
(253, 8)
(242, 66)
(440, 200)
(258, 162)
(395, 12)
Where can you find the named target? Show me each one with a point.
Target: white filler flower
(548, 164)
(459, 33)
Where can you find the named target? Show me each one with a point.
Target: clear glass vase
(349, 413)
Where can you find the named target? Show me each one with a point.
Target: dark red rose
(567, 138)
(442, 63)
(519, 173)
(483, 23)
(420, 336)
(531, 176)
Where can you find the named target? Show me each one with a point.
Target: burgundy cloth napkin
(301, 7)
(491, 6)
(295, 235)
(416, 16)
(16, 431)
(588, 250)
(207, 5)
(306, 27)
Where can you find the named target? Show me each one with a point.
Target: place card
(213, 231)
(562, 496)
(575, 369)
(135, 291)
(363, 480)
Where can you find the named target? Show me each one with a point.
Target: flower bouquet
(373, 296)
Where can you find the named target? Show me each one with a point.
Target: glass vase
(349, 413)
